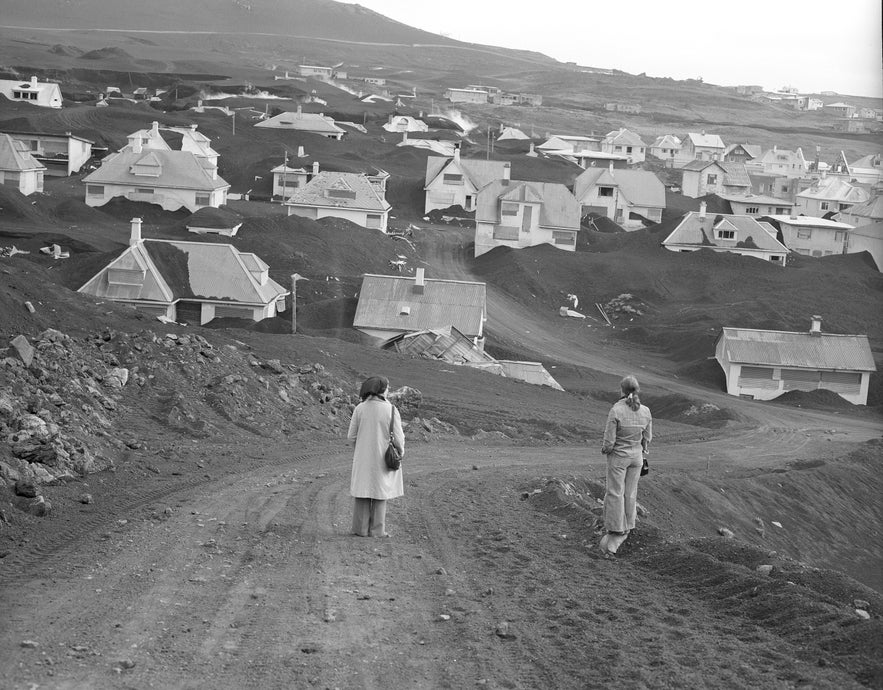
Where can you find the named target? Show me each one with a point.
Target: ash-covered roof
(799, 350)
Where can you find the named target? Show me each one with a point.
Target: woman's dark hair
(630, 389)
(374, 385)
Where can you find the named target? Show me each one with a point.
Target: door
(526, 218)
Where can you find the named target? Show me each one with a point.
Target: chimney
(136, 144)
(420, 281)
(300, 152)
(775, 148)
(391, 116)
(611, 167)
(507, 170)
(300, 112)
(193, 127)
(501, 127)
(405, 137)
(702, 207)
(315, 168)
(33, 82)
(815, 328)
(703, 132)
(457, 152)
(154, 130)
(135, 236)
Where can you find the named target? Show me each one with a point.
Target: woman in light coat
(627, 437)
(372, 484)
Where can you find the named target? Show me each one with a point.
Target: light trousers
(621, 497)
(369, 517)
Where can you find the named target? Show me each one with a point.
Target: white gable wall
(168, 198)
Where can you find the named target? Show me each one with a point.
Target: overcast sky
(813, 45)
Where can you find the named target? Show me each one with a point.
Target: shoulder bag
(393, 454)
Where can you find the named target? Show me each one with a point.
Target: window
(340, 193)
(94, 190)
(804, 233)
(507, 208)
(290, 183)
(838, 235)
(781, 210)
(628, 149)
(373, 220)
(144, 190)
(562, 237)
(823, 205)
(617, 148)
(605, 191)
(711, 179)
(504, 232)
(843, 207)
(726, 234)
(784, 188)
(752, 209)
(203, 198)
(452, 178)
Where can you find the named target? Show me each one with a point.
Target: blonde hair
(630, 389)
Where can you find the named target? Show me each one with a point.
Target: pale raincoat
(370, 428)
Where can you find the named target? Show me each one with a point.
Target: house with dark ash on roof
(455, 181)
(726, 233)
(392, 305)
(763, 364)
(621, 194)
(308, 123)
(190, 282)
(350, 196)
(517, 214)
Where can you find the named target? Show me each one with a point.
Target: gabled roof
(411, 124)
(753, 150)
(339, 190)
(835, 189)
(700, 232)
(640, 187)
(872, 208)
(707, 140)
(666, 141)
(700, 165)
(511, 133)
(783, 157)
(872, 160)
(29, 86)
(15, 157)
(303, 122)
(624, 137)
(179, 170)
(799, 350)
(810, 222)
(173, 270)
(569, 142)
(558, 207)
(479, 172)
(458, 303)
(735, 175)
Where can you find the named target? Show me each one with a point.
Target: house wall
(664, 153)
(696, 184)
(779, 259)
(293, 181)
(814, 241)
(752, 208)
(77, 152)
(615, 206)
(27, 182)
(769, 382)
(169, 199)
(485, 239)
(441, 195)
(255, 313)
(861, 242)
(359, 217)
(817, 208)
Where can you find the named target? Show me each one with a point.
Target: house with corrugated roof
(170, 179)
(62, 154)
(829, 195)
(350, 196)
(868, 238)
(867, 169)
(455, 181)
(701, 146)
(569, 144)
(763, 364)
(625, 143)
(666, 147)
(147, 139)
(392, 305)
(518, 214)
(784, 162)
(18, 168)
(702, 177)
(308, 123)
(865, 213)
(624, 196)
(811, 236)
(190, 282)
(405, 123)
(41, 93)
(720, 232)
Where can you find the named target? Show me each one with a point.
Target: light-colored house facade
(757, 205)
(455, 181)
(405, 123)
(711, 177)
(467, 95)
(286, 179)
(830, 194)
(741, 153)
(60, 154)
(781, 162)
(170, 179)
(18, 168)
(702, 147)
(350, 196)
(392, 305)
(666, 147)
(866, 213)
(516, 214)
(720, 232)
(762, 364)
(868, 238)
(812, 236)
(43, 94)
(190, 282)
(625, 143)
(617, 194)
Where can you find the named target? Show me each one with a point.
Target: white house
(191, 282)
(286, 179)
(757, 205)
(350, 196)
(701, 146)
(310, 123)
(456, 181)
(666, 147)
(516, 214)
(61, 154)
(44, 94)
(625, 143)
(147, 139)
(830, 194)
(18, 168)
(405, 123)
(703, 177)
(171, 179)
(763, 364)
(617, 194)
(720, 232)
(865, 213)
(392, 305)
(811, 236)
(781, 162)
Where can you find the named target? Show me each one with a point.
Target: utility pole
(284, 188)
(294, 278)
(233, 118)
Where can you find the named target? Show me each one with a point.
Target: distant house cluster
(476, 93)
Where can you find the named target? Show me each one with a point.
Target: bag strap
(392, 417)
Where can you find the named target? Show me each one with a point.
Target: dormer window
(507, 208)
(452, 178)
(726, 234)
(605, 191)
(340, 193)
(405, 310)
